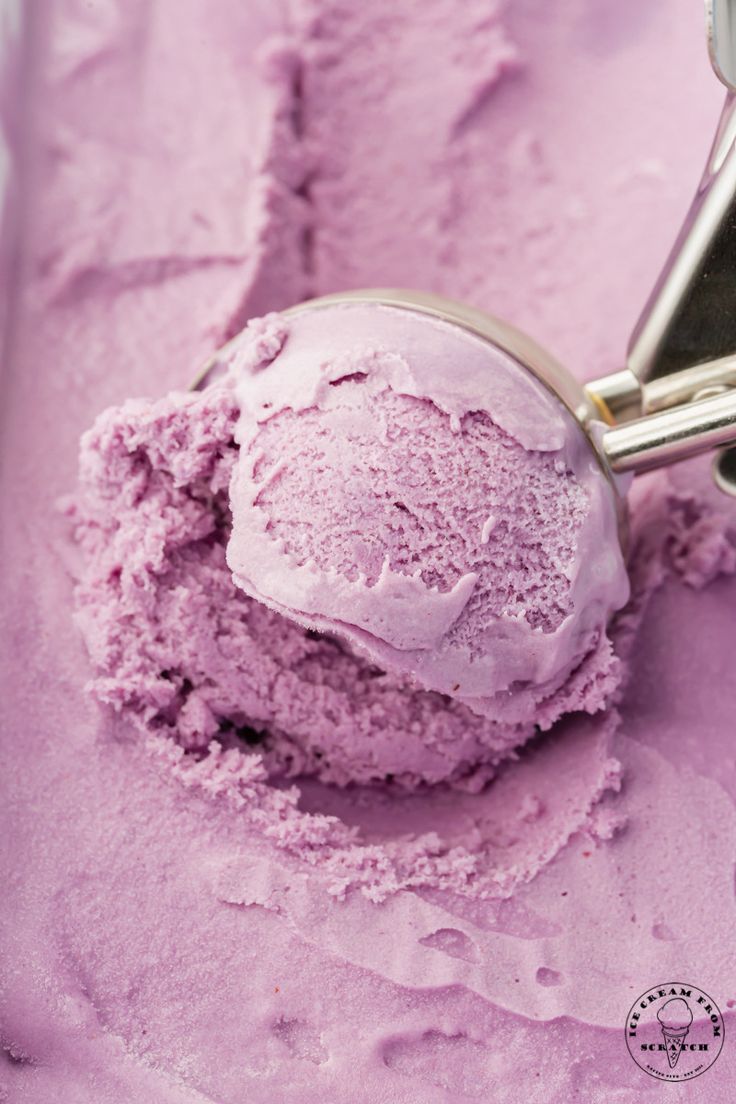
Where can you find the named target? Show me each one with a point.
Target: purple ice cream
(182, 651)
(410, 488)
(178, 923)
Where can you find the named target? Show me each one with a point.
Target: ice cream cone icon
(673, 1041)
(675, 1018)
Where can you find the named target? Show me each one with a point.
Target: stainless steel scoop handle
(675, 398)
(689, 317)
(674, 435)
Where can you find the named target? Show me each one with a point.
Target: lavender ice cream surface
(211, 892)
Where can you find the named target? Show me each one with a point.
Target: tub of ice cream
(256, 846)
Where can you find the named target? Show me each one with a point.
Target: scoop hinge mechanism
(676, 397)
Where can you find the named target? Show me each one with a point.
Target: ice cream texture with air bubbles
(195, 906)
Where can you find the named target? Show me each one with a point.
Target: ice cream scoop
(405, 482)
(425, 481)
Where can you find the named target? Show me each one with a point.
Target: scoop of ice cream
(404, 485)
(179, 650)
(675, 1015)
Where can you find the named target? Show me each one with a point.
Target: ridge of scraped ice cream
(409, 487)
